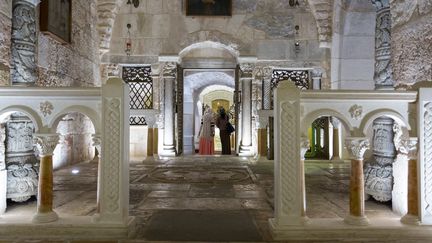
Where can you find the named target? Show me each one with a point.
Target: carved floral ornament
(357, 147)
(356, 112)
(46, 108)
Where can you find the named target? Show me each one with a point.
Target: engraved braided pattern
(428, 156)
(288, 151)
(112, 138)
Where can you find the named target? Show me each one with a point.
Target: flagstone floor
(218, 199)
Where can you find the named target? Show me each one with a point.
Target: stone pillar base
(3, 184)
(45, 217)
(168, 150)
(246, 150)
(356, 220)
(410, 219)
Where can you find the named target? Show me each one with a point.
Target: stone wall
(77, 63)
(75, 144)
(262, 28)
(411, 40)
(5, 40)
(353, 46)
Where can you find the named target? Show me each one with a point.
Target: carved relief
(247, 69)
(427, 152)
(170, 69)
(46, 143)
(379, 171)
(356, 112)
(21, 163)
(46, 108)
(383, 71)
(24, 38)
(112, 145)
(2, 147)
(288, 163)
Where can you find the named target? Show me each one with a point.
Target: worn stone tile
(191, 203)
(211, 191)
(165, 194)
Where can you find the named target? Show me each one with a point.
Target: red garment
(206, 146)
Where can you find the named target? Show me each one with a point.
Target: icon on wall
(56, 19)
(208, 7)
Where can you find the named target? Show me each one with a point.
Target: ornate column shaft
(379, 171)
(97, 142)
(24, 42)
(412, 215)
(336, 136)
(356, 148)
(169, 76)
(3, 171)
(246, 112)
(266, 88)
(316, 75)
(383, 71)
(45, 143)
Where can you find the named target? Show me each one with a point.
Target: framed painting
(208, 7)
(56, 19)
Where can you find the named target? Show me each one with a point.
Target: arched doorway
(206, 66)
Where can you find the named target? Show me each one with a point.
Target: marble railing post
(156, 74)
(97, 142)
(357, 147)
(3, 171)
(246, 104)
(383, 71)
(412, 215)
(24, 42)
(304, 146)
(424, 164)
(169, 76)
(113, 174)
(289, 171)
(45, 143)
(336, 138)
(267, 93)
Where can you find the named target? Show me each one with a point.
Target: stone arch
(91, 114)
(312, 116)
(222, 49)
(368, 119)
(29, 112)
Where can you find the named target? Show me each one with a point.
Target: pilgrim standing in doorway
(206, 143)
(221, 122)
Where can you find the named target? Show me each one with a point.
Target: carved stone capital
(169, 70)
(267, 72)
(317, 73)
(335, 122)
(411, 146)
(304, 146)
(247, 69)
(156, 69)
(45, 143)
(356, 147)
(97, 142)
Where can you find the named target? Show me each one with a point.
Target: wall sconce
(294, 3)
(297, 28)
(128, 49)
(297, 48)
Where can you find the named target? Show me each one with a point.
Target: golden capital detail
(357, 146)
(45, 143)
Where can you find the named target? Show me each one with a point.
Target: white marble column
(356, 147)
(383, 70)
(24, 42)
(412, 216)
(168, 77)
(3, 171)
(246, 77)
(45, 144)
(97, 142)
(157, 92)
(304, 147)
(316, 75)
(336, 138)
